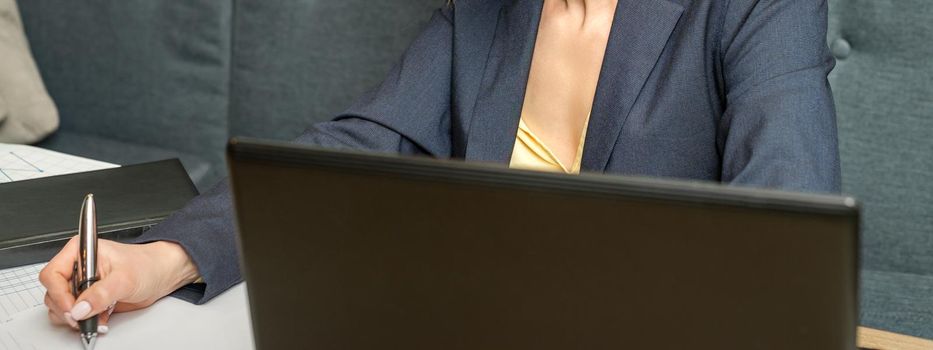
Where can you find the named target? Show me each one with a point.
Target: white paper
(21, 162)
(223, 323)
(8, 341)
(20, 291)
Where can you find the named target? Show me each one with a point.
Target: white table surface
(222, 323)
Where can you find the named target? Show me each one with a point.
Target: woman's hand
(132, 276)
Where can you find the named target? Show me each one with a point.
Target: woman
(732, 91)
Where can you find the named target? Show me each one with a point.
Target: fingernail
(103, 329)
(71, 321)
(80, 310)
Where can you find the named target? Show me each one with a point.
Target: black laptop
(349, 250)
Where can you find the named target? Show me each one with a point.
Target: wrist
(182, 270)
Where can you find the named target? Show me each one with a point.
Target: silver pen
(85, 271)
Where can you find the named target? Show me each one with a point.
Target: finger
(105, 315)
(102, 321)
(53, 306)
(61, 264)
(128, 307)
(56, 319)
(62, 320)
(101, 295)
(56, 277)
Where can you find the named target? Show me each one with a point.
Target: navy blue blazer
(733, 91)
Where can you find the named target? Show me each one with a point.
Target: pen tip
(88, 340)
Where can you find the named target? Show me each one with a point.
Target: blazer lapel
(640, 31)
(499, 104)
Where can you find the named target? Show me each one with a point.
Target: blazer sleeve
(408, 113)
(778, 128)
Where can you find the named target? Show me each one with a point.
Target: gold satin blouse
(531, 153)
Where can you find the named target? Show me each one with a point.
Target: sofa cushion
(883, 87)
(3, 110)
(125, 153)
(152, 73)
(323, 56)
(27, 114)
(898, 302)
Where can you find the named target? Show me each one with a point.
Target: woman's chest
(569, 48)
(657, 81)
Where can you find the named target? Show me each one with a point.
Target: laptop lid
(348, 250)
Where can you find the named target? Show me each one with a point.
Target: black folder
(37, 217)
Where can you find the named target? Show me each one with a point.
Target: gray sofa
(883, 86)
(139, 80)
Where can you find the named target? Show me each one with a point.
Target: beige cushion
(30, 113)
(3, 110)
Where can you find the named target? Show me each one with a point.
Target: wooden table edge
(875, 339)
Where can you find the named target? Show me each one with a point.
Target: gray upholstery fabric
(883, 86)
(901, 302)
(884, 101)
(152, 73)
(297, 62)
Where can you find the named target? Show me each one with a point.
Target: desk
(223, 323)
(869, 338)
